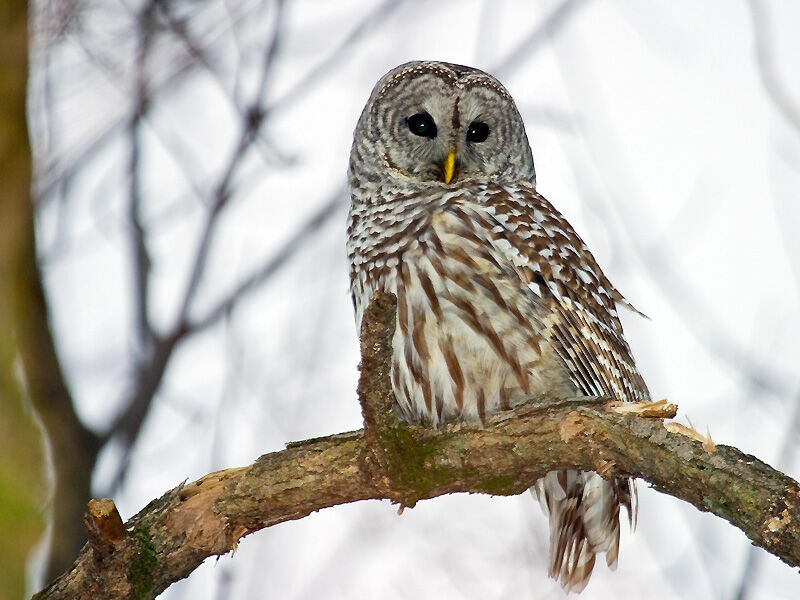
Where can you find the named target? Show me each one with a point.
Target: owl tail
(583, 509)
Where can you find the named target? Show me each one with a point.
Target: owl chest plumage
(470, 338)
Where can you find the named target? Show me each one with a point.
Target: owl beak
(449, 166)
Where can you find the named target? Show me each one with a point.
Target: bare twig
(140, 255)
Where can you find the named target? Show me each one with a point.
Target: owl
(498, 299)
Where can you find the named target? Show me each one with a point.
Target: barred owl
(498, 299)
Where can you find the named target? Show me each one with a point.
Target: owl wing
(579, 314)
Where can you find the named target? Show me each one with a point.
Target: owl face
(441, 124)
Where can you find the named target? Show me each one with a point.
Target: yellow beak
(449, 166)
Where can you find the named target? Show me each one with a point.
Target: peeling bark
(390, 460)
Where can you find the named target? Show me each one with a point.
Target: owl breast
(469, 340)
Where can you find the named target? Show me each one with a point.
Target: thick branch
(175, 533)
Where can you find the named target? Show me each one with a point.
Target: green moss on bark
(142, 568)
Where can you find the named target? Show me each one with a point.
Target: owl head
(436, 123)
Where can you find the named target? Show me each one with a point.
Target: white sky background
(651, 131)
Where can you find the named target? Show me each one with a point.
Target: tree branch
(390, 460)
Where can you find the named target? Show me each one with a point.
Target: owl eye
(422, 124)
(477, 132)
